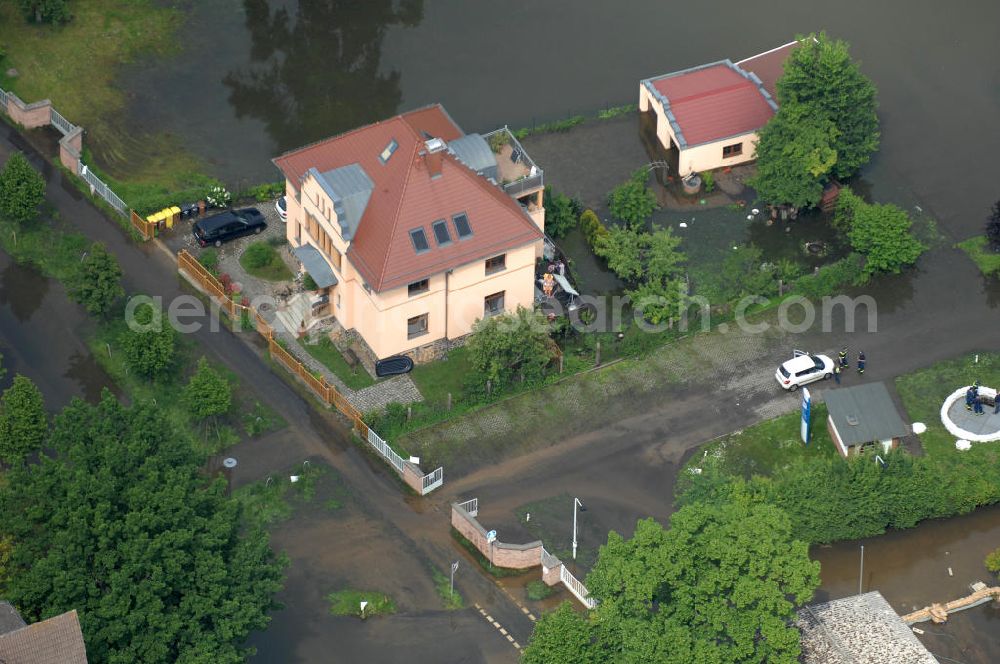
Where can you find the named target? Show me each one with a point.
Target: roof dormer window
(419, 239)
(387, 152)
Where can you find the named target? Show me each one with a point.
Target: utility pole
(454, 568)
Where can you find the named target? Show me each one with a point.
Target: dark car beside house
(228, 225)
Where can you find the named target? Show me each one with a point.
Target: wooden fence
(145, 228)
(205, 280)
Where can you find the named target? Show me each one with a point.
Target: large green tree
(149, 342)
(122, 525)
(820, 78)
(795, 153)
(510, 346)
(23, 421)
(97, 284)
(881, 232)
(22, 190)
(719, 587)
(562, 213)
(562, 636)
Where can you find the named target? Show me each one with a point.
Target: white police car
(803, 369)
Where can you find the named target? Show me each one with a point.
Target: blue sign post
(806, 414)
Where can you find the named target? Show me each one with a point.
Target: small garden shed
(861, 417)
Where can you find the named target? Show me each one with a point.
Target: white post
(861, 576)
(576, 502)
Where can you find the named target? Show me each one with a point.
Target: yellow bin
(175, 216)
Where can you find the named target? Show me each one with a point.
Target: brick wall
(514, 556)
(70, 147)
(29, 116)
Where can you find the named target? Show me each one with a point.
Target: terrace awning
(315, 265)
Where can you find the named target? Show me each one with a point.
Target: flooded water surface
(39, 330)
(934, 562)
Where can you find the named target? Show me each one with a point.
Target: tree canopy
(720, 586)
(651, 263)
(826, 125)
(208, 393)
(510, 346)
(561, 637)
(97, 283)
(820, 78)
(122, 525)
(22, 190)
(795, 153)
(562, 213)
(149, 342)
(881, 232)
(24, 424)
(632, 201)
(46, 11)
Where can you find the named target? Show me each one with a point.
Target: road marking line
(517, 645)
(532, 617)
(502, 630)
(490, 618)
(525, 610)
(510, 638)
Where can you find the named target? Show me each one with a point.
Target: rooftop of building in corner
(714, 101)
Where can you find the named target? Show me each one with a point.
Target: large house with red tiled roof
(413, 230)
(707, 117)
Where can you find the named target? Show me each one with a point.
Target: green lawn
(348, 603)
(261, 260)
(979, 251)
(324, 351)
(436, 379)
(760, 449)
(924, 391)
(77, 65)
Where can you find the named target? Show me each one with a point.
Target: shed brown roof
(769, 65)
(57, 640)
(408, 194)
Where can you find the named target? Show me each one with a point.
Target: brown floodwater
(40, 337)
(934, 562)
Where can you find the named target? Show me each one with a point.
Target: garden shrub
(844, 272)
(258, 255)
(592, 227)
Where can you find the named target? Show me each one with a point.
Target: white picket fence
(576, 587)
(4, 100)
(383, 448)
(432, 480)
(470, 506)
(60, 123)
(102, 190)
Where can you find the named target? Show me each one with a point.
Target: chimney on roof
(434, 155)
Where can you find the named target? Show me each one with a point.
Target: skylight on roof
(441, 233)
(419, 239)
(387, 152)
(462, 226)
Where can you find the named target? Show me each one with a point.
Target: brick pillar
(550, 575)
(70, 147)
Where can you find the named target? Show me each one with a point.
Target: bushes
(46, 11)
(258, 255)
(992, 561)
(509, 346)
(561, 213)
(22, 190)
(829, 278)
(632, 202)
(592, 228)
(708, 178)
(557, 126)
(263, 192)
(882, 232)
(209, 258)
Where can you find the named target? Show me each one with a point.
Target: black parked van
(228, 225)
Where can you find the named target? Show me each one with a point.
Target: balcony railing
(518, 176)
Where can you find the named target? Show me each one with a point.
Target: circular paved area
(964, 424)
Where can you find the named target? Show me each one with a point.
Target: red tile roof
(769, 66)
(406, 197)
(712, 102)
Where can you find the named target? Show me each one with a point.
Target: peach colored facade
(453, 301)
(697, 158)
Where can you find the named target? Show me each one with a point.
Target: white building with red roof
(413, 230)
(708, 116)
